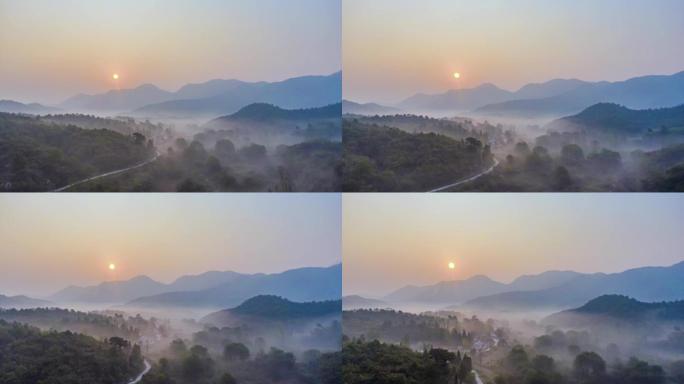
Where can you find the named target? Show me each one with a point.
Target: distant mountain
(274, 308)
(636, 93)
(543, 280)
(548, 89)
(357, 302)
(21, 302)
(123, 100)
(447, 291)
(645, 284)
(123, 291)
(295, 93)
(10, 106)
(618, 309)
(456, 99)
(350, 107)
(614, 118)
(452, 292)
(303, 284)
(111, 291)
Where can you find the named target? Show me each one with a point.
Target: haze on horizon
(393, 49)
(50, 241)
(55, 50)
(394, 240)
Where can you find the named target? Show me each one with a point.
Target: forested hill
(276, 307)
(30, 356)
(264, 111)
(269, 308)
(380, 158)
(615, 118)
(38, 155)
(625, 307)
(619, 309)
(59, 319)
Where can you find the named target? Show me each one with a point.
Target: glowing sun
(112, 266)
(452, 265)
(457, 75)
(115, 76)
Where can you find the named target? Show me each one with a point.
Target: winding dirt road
(148, 366)
(467, 180)
(64, 188)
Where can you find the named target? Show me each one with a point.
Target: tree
(235, 351)
(178, 347)
(181, 144)
(606, 160)
(589, 367)
(543, 363)
(517, 360)
(522, 149)
(139, 138)
(572, 154)
(213, 165)
(639, 372)
(135, 359)
(189, 185)
(227, 378)
(561, 179)
(225, 149)
(253, 152)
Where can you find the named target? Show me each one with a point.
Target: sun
(457, 75)
(115, 76)
(112, 266)
(452, 265)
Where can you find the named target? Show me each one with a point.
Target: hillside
(21, 301)
(380, 158)
(264, 111)
(11, 106)
(618, 308)
(40, 156)
(353, 108)
(358, 302)
(275, 308)
(614, 118)
(72, 358)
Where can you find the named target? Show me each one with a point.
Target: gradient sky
(48, 241)
(392, 240)
(52, 50)
(395, 48)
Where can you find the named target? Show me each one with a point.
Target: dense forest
(40, 155)
(573, 168)
(381, 158)
(31, 356)
(236, 363)
(380, 363)
(523, 365)
(192, 167)
(101, 325)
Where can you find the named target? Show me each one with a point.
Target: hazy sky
(48, 241)
(391, 240)
(52, 50)
(395, 48)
